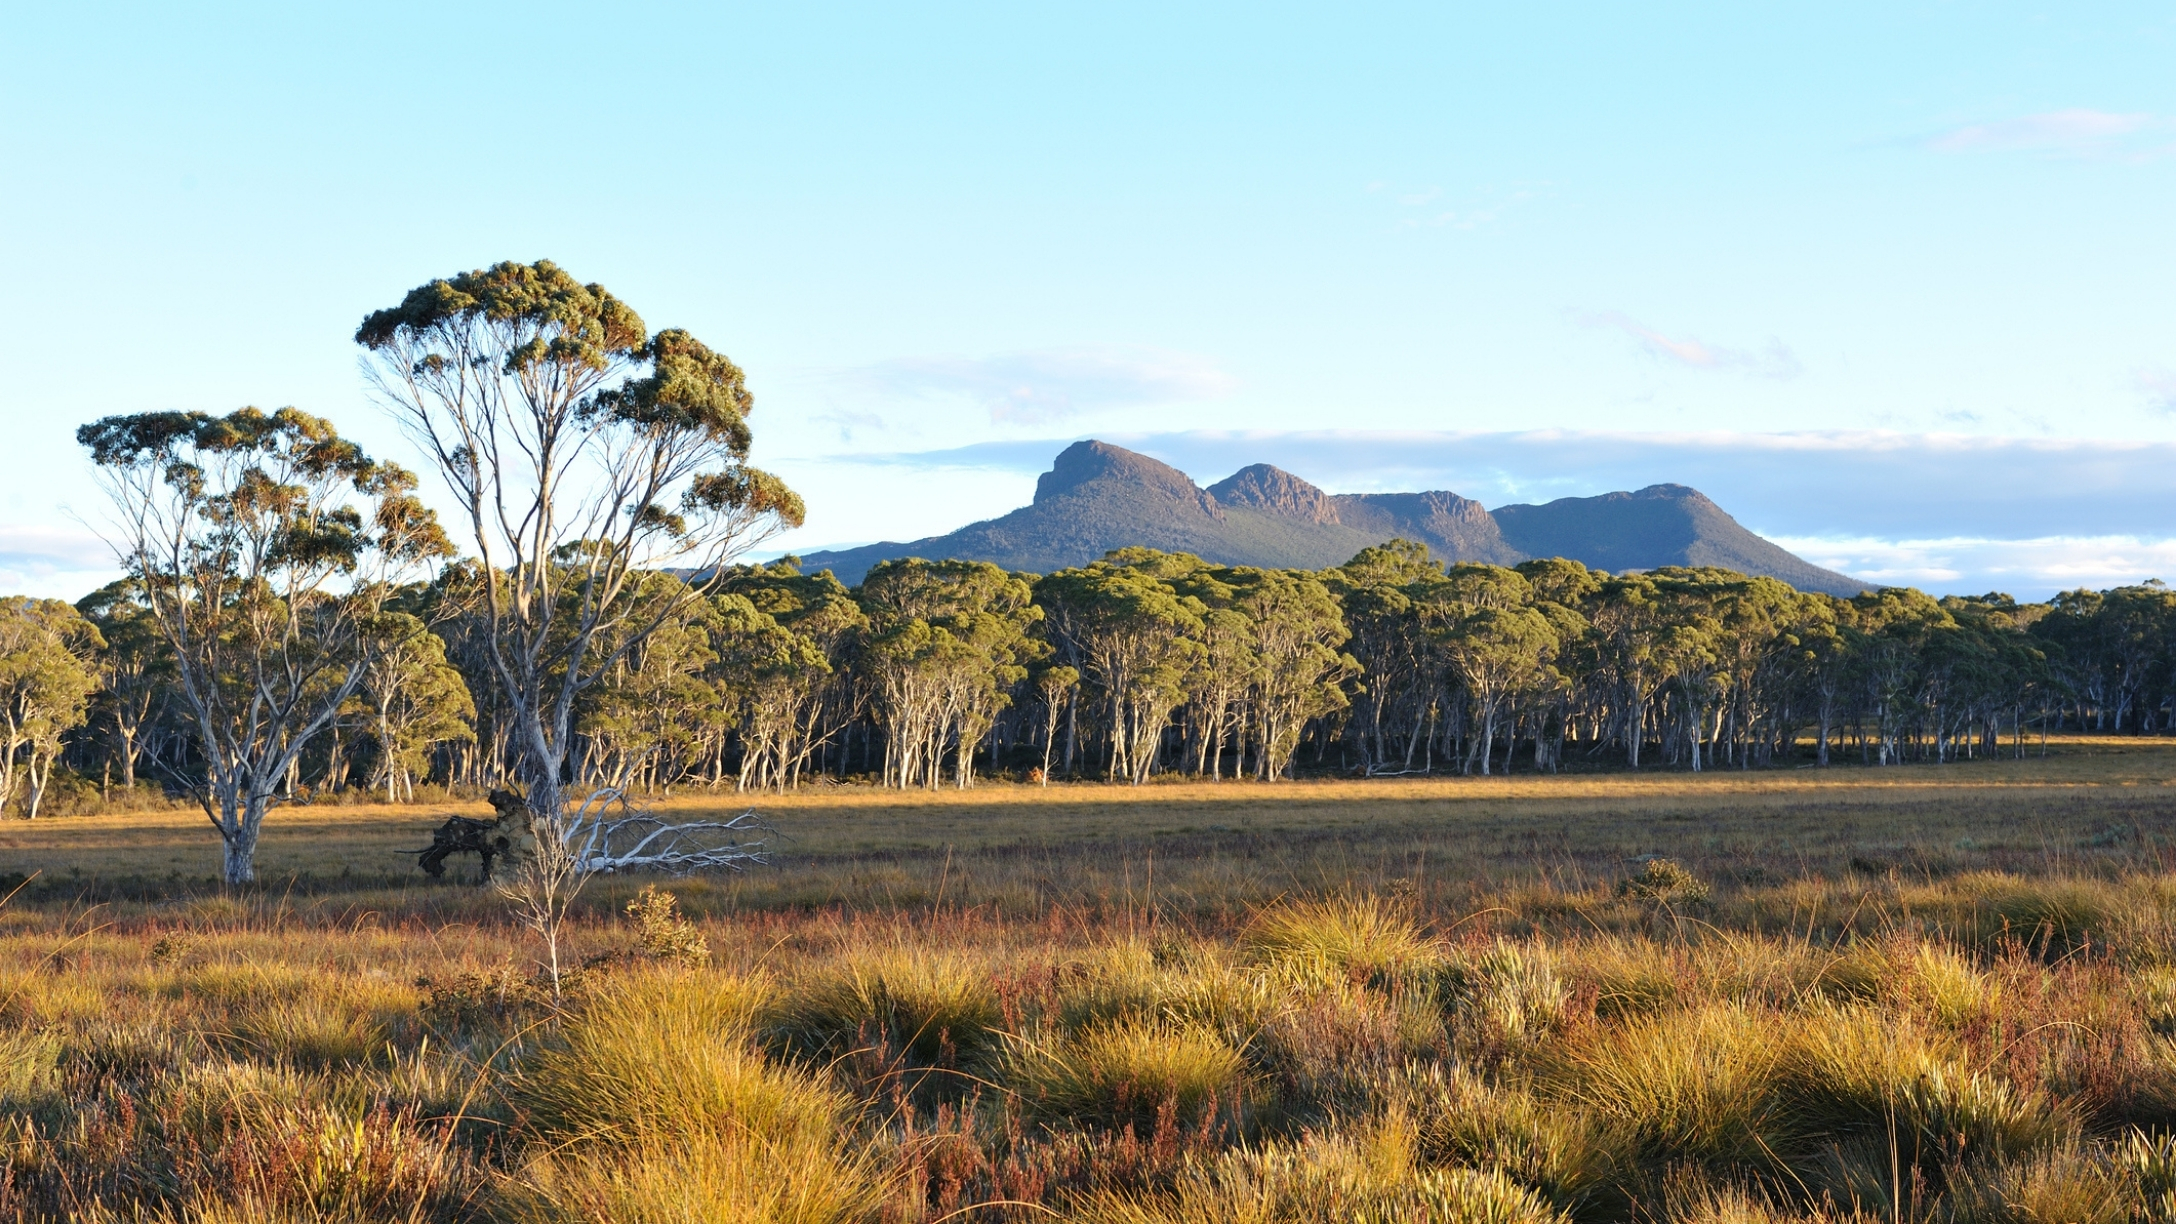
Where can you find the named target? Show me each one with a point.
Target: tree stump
(504, 844)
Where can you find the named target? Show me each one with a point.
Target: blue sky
(1890, 281)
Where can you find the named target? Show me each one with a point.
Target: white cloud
(2076, 132)
(2033, 567)
(64, 562)
(1051, 384)
(1772, 361)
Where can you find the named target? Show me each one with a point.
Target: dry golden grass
(1936, 994)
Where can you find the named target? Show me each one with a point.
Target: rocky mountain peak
(1099, 463)
(1273, 490)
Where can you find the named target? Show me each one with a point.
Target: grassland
(1936, 993)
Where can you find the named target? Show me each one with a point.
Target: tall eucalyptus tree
(582, 452)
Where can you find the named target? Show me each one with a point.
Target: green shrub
(1664, 882)
(661, 933)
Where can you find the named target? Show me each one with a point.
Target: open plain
(1927, 992)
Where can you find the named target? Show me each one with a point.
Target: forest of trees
(1140, 664)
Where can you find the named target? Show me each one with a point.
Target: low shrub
(1664, 882)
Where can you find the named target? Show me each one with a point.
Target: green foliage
(47, 677)
(1664, 881)
(661, 933)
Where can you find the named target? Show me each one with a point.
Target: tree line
(295, 620)
(931, 673)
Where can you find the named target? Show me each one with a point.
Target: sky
(1890, 282)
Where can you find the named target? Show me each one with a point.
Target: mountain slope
(1097, 497)
(1665, 524)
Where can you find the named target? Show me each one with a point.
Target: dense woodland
(1141, 664)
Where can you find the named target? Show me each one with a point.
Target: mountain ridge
(1097, 497)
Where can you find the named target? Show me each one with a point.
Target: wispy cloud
(2077, 133)
(1427, 207)
(1052, 384)
(1774, 360)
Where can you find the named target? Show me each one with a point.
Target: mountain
(1620, 531)
(1097, 497)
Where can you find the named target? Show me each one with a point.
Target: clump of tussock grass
(1628, 977)
(1691, 1085)
(29, 1067)
(922, 1008)
(1987, 909)
(1504, 998)
(1365, 1178)
(1329, 1054)
(1190, 984)
(2149, 1162)
(1857, 973)
(1947, 985)
(1352, 937)
(651, 1058)
(2070, 1185)
(1460, 1120)
(326, 1027)
(1850, 1073)
(1123, 1073)
(711, 1178)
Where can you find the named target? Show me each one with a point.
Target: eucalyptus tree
(1056, 685)
(264, 545)
(1383, 590)
(558, 420)
(787, 644)
(1135, 640)
(948, 641)
(134, 670)
(1299, 669)
(1629, 626)
(654, 707)
(47, 675)
(1500, 656)
(413, 700)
